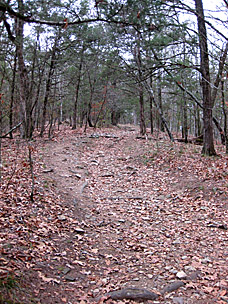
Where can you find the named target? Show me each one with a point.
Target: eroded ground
(122, 212)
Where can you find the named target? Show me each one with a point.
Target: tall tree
(208, 137)
(49, 82)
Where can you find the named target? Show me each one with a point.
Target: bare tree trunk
(221, 65)
(102, 105)
(185, 120)
(12, 95)
(151, 115)
(185, 113)
(197, 124)
(208, 137)
(196, 101)
(89, 106)
(48, 85)
(151, 94)
(161, 126)
(142, 114)
(1, 133)
(25, 103)
(224, 108)
(77, 90)
(141, 99)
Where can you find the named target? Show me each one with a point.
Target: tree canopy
(106, 61)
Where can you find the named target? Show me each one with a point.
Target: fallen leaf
(208, 289)
(223, 293)
(45, 279)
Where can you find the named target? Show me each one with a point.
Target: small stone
(145, 218)
(203, 244)
(62, 217)
(70, 278)
(105, 281)
(150, 276)
(168, 267)
(173, 270)
(189, 268)
(121, 220)
(79, 230)
(96, 290)
(206, 261)
(77, 175)
(161, 197)
(178, 300)
(135, 279)
(66, 270)
(176, 242)
(184, 257)
(181, 275)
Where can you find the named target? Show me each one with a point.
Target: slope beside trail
(139, 213)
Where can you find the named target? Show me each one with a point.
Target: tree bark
(151, 108)
(89, 106)
(48, 85)
(161, 126)
(198, 103)
(25, 100)
(77, 90)
(102, 105)
(208, 137)
(12, 95)
(224, 108)
(141, 99)
(185, 120)
(151, 94)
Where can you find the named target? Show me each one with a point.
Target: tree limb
(11, 130)
(219, 74)
(193, 97)
(4, 7)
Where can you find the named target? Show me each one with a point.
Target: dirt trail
(136, 218)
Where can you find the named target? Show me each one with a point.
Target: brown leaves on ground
(113, 212)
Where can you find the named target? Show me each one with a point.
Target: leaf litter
(113, 213)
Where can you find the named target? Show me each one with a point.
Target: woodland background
(160, 64)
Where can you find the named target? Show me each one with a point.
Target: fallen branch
(139, 294)
(11, 130)
(123, 198)
(30, 149)
(171, 287)
(196, 140)
(132, 294)
(85, 184)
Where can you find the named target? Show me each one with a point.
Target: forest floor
(111, 212)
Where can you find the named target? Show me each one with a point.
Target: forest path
(137, 213)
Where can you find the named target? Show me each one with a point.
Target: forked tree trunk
(208, 137)
(151, 94)
(48, 85)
